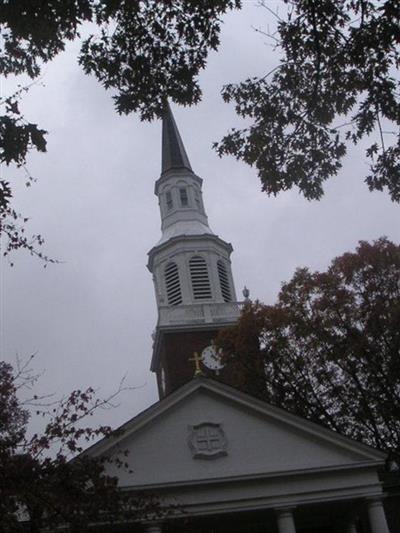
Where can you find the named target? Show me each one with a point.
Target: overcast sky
(89, 319)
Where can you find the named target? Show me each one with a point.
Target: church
(227, 460)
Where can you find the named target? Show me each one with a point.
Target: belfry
(191, 270)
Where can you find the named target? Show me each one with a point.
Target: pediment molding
(200, 385)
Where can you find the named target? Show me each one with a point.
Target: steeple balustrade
(201, 313)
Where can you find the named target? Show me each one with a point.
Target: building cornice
(175, 173)
(186, 238)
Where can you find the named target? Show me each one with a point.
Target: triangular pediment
(208, 431)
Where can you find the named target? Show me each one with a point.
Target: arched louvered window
(169, 201)
(224, 281)
(197, 200)
(183, 195)
(172, 284)
(199, 276)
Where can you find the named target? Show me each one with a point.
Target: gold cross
(197, 359)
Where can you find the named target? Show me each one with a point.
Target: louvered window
(224, 282)
(197, 200)
(168, 197)
(173, 285)
(200, 280)
(184, 197)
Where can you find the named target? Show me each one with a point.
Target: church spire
(191, 269)
(173, 151)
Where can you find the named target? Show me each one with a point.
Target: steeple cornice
(190, 238)
(176, 173)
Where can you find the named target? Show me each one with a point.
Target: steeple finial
(173, 152)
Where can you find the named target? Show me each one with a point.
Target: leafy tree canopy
(336, 83)
(329, 349)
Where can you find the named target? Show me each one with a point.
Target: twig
(264, 5)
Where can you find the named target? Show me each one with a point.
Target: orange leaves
(330, 346)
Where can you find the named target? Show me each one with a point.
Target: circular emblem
(207, 441)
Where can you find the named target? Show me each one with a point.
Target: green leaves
(5, 193)
(33, 33)
(17, 138)
(335, 83)
(154, 52)
(385, 171)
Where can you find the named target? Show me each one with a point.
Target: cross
(209, 440)
(197, 359)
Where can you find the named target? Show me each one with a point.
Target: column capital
(284, 516)
(153, 527)
(351, 527)
(285, 509)
(377, 499)
(376, 513)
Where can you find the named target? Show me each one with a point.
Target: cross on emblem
(207, 441)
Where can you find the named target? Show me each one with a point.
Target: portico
(337, 517)
(232, 463)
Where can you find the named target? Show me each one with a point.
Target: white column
(153, 528)
(351, 527)
(377, 517)
(285, 520)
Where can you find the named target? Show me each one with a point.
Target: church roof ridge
(174, 155)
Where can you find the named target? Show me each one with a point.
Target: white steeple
(190, 264)
(178, 189)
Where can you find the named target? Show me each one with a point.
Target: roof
(174, 155)
(184, 227)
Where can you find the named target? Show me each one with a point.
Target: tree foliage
(336, 83)
(44, 480)
(330, 346)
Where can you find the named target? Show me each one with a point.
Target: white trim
(241, 503)
(179, 239)
(278, 474)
